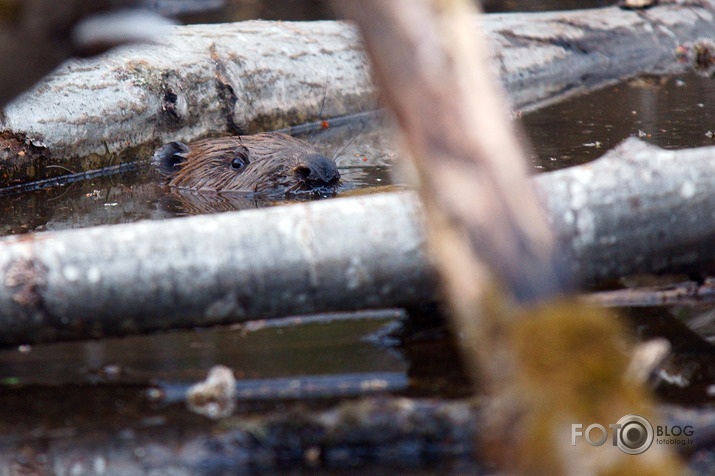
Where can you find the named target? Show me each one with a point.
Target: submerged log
(254, 76)
(342, 254)
(398, 433)
(404, 435)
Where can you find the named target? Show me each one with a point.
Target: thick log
(206, 79)
(265, 75)
(343, 254)
(205, 270)
(637, 209)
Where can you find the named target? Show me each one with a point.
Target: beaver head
(267, 163)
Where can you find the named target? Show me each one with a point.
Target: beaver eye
(237, 163)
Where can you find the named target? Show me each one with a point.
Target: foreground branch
(492, 247)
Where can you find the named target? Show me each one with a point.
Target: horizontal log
(257, 75)
(638, 209)
(205, 270)
(405, 435)
(402, 434)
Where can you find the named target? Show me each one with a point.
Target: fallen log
(637, 209)
(342, 254)
(404, 435)
(254, 76)
(395, 432)
(686, 293)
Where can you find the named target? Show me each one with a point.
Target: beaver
(266, 163)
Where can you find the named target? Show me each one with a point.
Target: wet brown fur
(274, 163)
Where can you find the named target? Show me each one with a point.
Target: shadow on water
(43, 386)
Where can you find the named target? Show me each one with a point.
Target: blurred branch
(547, 362)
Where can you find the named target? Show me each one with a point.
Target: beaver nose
(319, 168)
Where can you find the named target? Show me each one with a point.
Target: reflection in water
(202, 203)
(325, 345)
(494, 6)
(120, 198)
(673, 113)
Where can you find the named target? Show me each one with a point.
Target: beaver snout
(319, 171)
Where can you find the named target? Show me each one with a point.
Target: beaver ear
(167, 158)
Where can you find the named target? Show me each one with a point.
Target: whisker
(337, 156)
(322, 105)
(60, 167)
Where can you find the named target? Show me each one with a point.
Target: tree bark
(639, 208)
(265, 75)
(208, 270)
(342, 254)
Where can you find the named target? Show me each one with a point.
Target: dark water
(494, 6)
(114, 376)
(290, 10)
(673, 113)
(335, 344)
